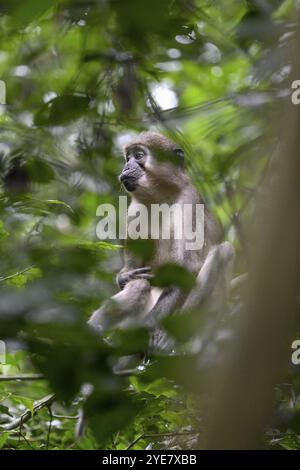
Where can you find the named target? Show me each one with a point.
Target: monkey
(154, 173)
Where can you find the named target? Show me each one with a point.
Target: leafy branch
(28, 414)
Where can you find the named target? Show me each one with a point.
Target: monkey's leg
(169, 301)
(128, 303)
(212, 285)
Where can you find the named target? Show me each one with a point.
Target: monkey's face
(152, 165)
(134, 168)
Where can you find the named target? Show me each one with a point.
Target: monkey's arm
(212, 285)
(170, 299)
(132, 270)
(211, 290)
(213, 280)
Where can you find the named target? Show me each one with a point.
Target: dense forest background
(82, 77)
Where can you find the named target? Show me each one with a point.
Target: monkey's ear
(180, 154)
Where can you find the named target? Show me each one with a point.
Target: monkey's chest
(167, 251)
(174, 252)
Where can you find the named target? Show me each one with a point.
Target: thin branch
(135, 441)
(10, 378)
(26, 440)
(163, 434)
(127, 372)
(27, 415)
(65, 416)
(11, 276)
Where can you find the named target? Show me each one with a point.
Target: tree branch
(11, 276)
(10, 378)
(27, 415)
(163, 434)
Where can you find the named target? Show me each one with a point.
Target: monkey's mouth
(130, 184)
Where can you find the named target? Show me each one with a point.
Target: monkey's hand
(126, 276)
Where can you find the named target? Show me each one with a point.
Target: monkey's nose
(126, 176)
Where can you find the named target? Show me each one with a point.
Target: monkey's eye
(139, 154)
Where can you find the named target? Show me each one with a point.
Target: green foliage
(80, 76)
(173, 275)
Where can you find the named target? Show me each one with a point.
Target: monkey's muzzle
(129, 182)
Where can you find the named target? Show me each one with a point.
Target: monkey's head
(152, 163)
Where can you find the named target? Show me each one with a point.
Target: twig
(163, 434)
(11, 276)
(26, 440)
(9, 378)
(135, 441)
(27, 415)
(127, 372)
(65, 416)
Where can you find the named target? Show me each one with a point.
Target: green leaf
(111, 413)
(59, 203)
(158, 388)
(5, 410)
(27, 402)
(285, 11)
(26, 12)
(3, 438)
(173, 275)
(185, 326)
(20, 280)
(3, 233)
(98, 245)
(290, 442)
(130, 341)
(16, 358)
(39, 171)
(143, 249)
